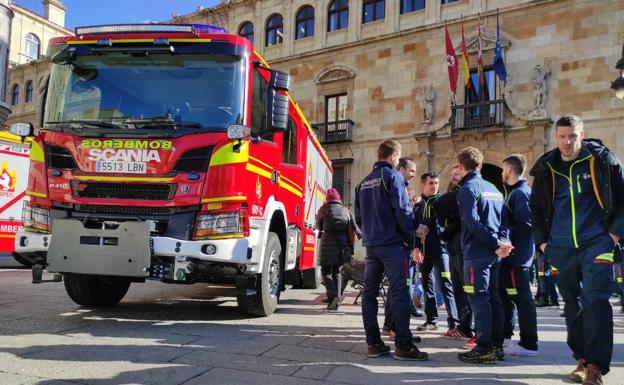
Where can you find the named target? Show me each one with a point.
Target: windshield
(199, 90)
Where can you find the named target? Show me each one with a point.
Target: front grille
(124, 210)
(145, 191)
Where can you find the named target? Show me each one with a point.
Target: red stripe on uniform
(472, 275)
(513, 278)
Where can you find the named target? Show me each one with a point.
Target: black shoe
(378, 349)
(556, 304)
(333, 304)
(416, 313)
(410, 355)
(499, 353)
(474, 357)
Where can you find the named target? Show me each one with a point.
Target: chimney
(54, 11)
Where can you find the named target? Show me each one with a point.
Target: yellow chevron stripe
(36, 152)
(308, 248)
(257, 170)
(261, 162)
(36, 194)
(225, 199)
(291, 182)
(7, 235)
(290, 188)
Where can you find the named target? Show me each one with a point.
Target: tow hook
(37, 274)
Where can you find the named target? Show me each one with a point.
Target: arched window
(373, 10)
(15, 91)
(29, 91)
(305, 22)
(338, 15)
(246, 30)
(31, 46)
(274, 30)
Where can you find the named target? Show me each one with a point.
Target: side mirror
(279, 80)
(277, 111)
(23, 130)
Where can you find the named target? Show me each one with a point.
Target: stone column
(6, 16)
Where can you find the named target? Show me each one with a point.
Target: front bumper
(226, 250)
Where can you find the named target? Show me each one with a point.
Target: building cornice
(19, 9)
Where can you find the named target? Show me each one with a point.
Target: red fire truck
(173, 153)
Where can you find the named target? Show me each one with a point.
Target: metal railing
(334, 132)
(478, 115)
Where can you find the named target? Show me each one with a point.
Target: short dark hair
(387, 148)
(569, 121)
(517, 162)
(431, 175)
(470, 158)
(403, 162)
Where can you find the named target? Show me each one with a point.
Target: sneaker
(416, 313)
(593, 376)
(517, 350)
(508, 342)
(427, 326)
(410, 355)
(499, 353)
(578, 374)
(456, 333)
(471, 344)
(333, 304)
(378, 349)
(474, 357)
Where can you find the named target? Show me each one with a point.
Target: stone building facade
(29, 68)
(384, 74)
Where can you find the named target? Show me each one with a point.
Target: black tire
(96, 290)
(311, 278)
(264, 301)
(22, 260)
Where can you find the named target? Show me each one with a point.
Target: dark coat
(607, 178)
(333, 221)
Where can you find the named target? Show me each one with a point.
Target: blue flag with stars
(499, 64)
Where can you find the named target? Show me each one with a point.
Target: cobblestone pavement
(164, 334)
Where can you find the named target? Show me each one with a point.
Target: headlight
(231, 223)
(36, 218)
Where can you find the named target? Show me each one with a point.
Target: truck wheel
(95, 290)
(264, 302)
(311, 278)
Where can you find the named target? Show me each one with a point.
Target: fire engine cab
(173, 153)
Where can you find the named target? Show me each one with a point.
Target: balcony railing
(478, 115)
(334, 132)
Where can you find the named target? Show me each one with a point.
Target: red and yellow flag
(465, 65)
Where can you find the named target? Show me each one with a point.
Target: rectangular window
(341, 179)
(336, 108)
(289, 145)
(448, 1)
(408, 6)
(373, 10)
(474, 93)
(258, 103)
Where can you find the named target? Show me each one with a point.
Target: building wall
(383, 66)
(22, 68)
(6, 15)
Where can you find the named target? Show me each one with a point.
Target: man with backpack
(577, 206)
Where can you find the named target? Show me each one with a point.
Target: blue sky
(92, 12)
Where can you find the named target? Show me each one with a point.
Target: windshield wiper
(158, 121)
(88, 123)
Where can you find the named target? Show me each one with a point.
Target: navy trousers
(439, 265)
(481, 285)
(515, 292)
(391, 260)
(585, 282)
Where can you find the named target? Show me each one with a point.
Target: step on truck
(171, 153)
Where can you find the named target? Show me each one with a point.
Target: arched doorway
(493, 174)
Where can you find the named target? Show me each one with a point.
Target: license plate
(121, 167)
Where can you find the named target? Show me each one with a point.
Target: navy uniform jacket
(480, 208)
(517, 220)
(424, 214)
(382, 209)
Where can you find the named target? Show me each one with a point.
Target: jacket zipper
(572, 204)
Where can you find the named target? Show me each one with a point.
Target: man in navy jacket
(515, 290)
(577, 208)
(383, 213)
(483, 243)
